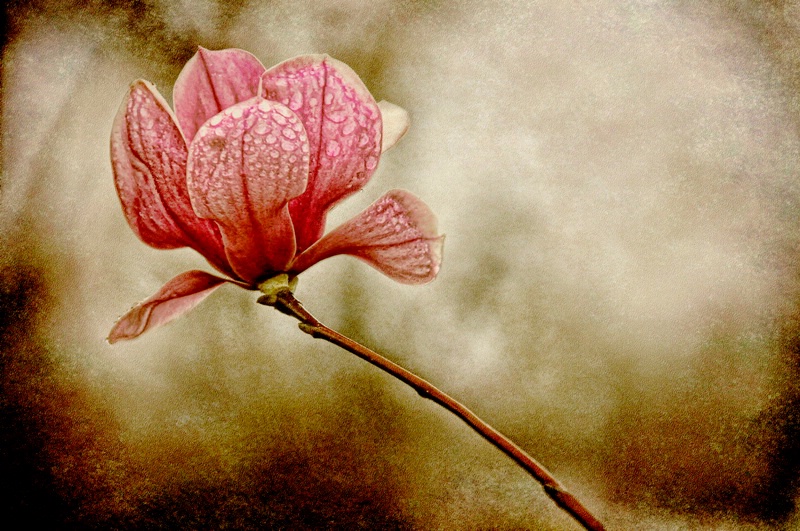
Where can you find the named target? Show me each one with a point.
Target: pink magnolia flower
(246, 169)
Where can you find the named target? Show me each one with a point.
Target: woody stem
(284, 301)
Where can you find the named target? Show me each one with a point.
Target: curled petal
(245, 164)
(177, 297)
(343, 123)
(396, 234)
(213, 81)
(148, 155)
(396, 122)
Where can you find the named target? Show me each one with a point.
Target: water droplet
(284, 111)
(261, 127)
(336, 115)
(333, 148)
(270, 138)
(372, 162)
(236, 112)
(349, 127)
(296, 101)
(328, 98)
(216, 119)
(279, 118)
(289, 133)
(287, 146)
(264, 105)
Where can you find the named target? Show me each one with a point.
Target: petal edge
(174, 299)
(396, 122)
(210, 82)
(343, 124)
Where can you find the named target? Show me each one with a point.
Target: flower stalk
(278, 293)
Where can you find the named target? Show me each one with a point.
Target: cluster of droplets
(359, 131)
(273, 156)
(343, 131)
(143, 134)
(388, 221)
(284, 89)
(252, 188)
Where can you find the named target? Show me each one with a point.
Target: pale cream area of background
(618, 182)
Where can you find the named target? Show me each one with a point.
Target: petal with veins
(343, 123)
(213, 81)
(177, 297)
(245, 164)
(148, 155)
(396, 234)
(396, 122)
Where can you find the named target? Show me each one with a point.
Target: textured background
(618, 182)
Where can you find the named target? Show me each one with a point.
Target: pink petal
(177, 297)
(148, 155)
(396, 234)
(212, 81)
(245, 164)
(396, 122)
(344, 131)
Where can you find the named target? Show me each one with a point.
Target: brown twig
(279, 295)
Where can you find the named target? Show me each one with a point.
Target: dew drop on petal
(287, 146)
(296, 102)
(236, 112)
(337, 116)
(372, 162)
(270, 138)
(349, 127)
(289, 133)
(333, 148)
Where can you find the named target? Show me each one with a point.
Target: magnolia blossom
(246, 168)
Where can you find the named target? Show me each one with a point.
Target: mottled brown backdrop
(618, 182)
